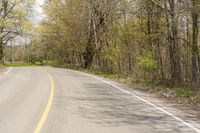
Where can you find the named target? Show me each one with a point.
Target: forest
(15, 24)
(146, 40)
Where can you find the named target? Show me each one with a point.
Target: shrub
(183, 92)
(147, 62)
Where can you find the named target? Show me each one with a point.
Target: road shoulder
(189, 110)
(2, 69)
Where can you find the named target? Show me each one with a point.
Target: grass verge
(21, 65)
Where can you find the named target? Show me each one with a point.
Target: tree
(10, 15)
(195, 33)
(117, 36)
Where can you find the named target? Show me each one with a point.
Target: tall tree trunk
(1, 51)
(89, 53)
(174, 48)
(195, 53)
(149, 22)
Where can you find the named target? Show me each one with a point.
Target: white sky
(38, 9)
(35, 18)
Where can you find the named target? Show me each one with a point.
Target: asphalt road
(51, 100)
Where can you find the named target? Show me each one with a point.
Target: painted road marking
(9, 69)
(47, 109)
(142, 99)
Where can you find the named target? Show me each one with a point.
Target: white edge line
(9, 69)
(149, 103)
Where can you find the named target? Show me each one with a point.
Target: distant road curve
(53, 100)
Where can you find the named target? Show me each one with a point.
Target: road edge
(197, 130)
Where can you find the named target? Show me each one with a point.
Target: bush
(183, 92)
(38, 63)
(147, 62)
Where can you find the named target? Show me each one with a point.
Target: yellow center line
(47, 109)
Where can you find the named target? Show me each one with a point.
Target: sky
(36, 18)
(38, 9)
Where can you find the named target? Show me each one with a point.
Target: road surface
(52, 100)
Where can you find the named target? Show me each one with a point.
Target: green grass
(21, 65)
(50, 63)
(183, 92)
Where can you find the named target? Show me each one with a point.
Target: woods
(146, 40)
(13, 18)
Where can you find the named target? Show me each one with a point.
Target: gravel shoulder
(2, 69)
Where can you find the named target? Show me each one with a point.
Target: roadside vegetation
(20, 65)
(147, 40)
(152, 44)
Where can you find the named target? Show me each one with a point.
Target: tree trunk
(174, 48)
(149, 22)
(195, 53)
(89, 54)
(1, 51)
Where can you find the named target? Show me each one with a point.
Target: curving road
(52, 100)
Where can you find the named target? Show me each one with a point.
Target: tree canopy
(155, 40)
